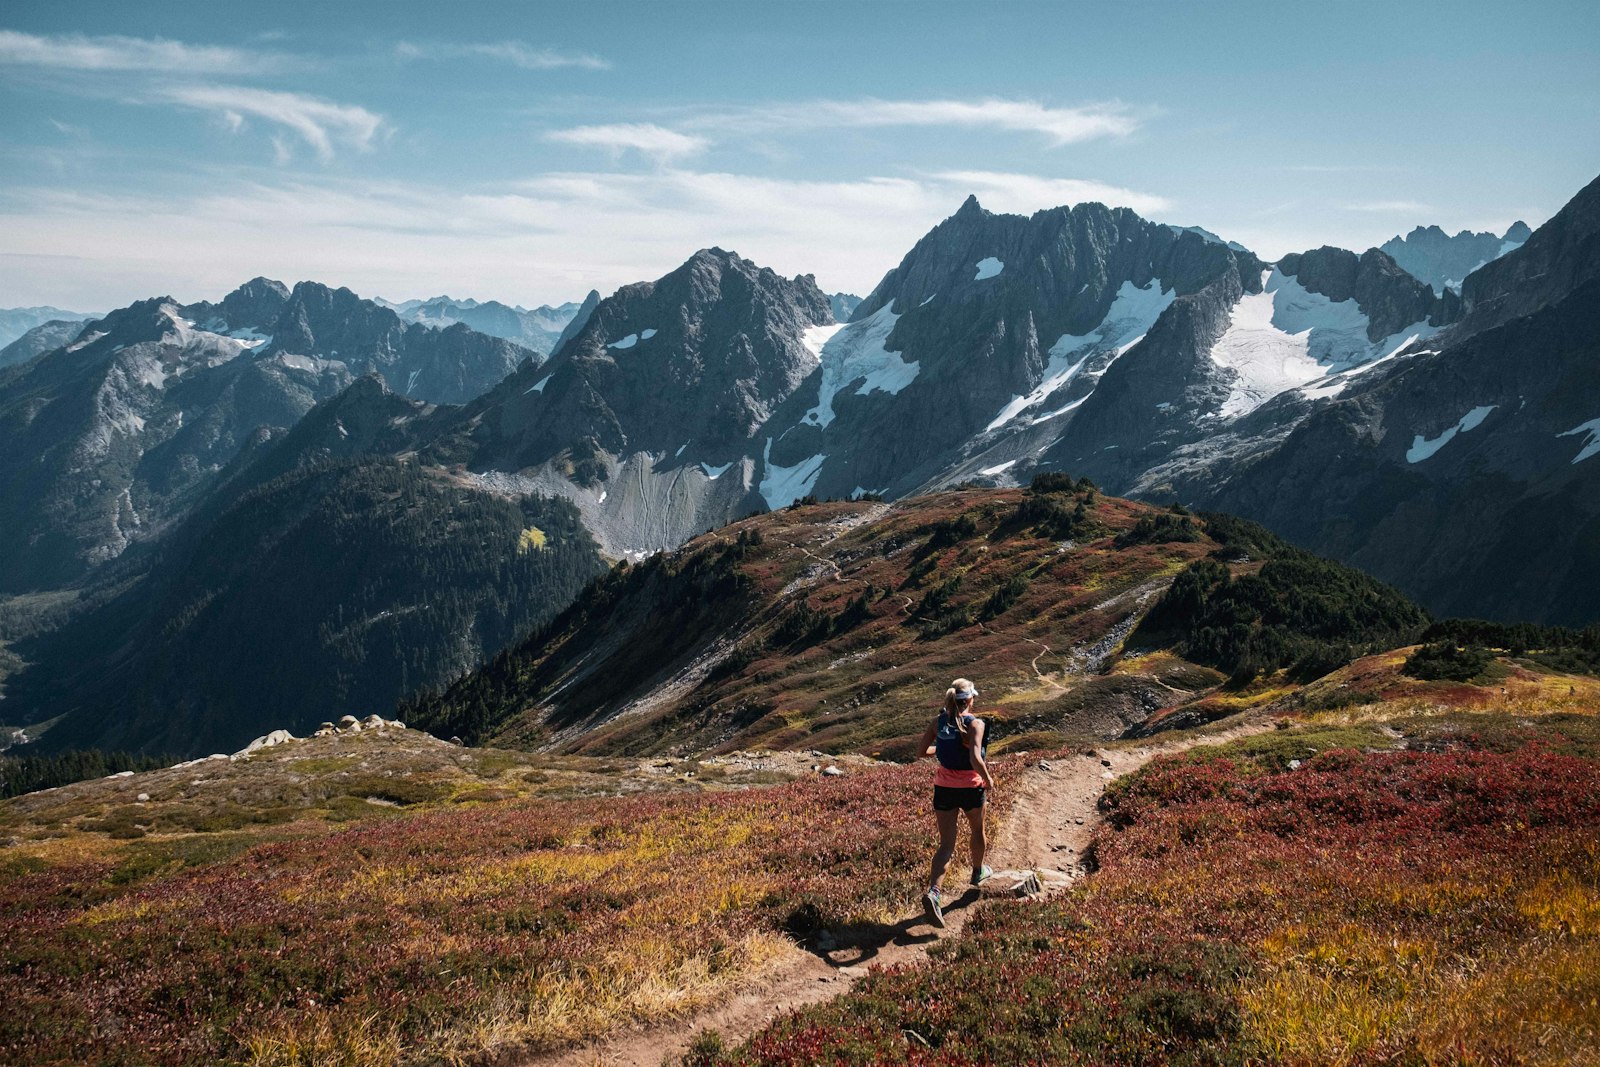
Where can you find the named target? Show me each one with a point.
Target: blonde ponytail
(950, 702)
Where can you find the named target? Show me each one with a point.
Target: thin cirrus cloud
(1058, 125)
(516, 53)
(79, 53)
(647, 139)
(1390, 207)
(320, 123)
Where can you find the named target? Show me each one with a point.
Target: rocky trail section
(1040, 852)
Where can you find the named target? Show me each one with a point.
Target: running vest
(955, 758)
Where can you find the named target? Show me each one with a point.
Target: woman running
(961, 783)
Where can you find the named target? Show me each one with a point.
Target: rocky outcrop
(1390, 298)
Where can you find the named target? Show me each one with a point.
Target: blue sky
(530, 152)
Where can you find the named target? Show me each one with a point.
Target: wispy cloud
(1390, 207)
(1058, 125)
(77, 52)
(658, 142)
(517, 53)
(320, 123)
(550, 237)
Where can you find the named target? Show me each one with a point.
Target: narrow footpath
(1052, 816)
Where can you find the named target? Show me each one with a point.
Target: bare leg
(975, 822)
(947, 845)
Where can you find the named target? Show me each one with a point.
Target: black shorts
(949, 798)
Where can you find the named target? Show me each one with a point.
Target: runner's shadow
(861, 943)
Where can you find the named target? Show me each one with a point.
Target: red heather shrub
(417, 921)
(1425, 856)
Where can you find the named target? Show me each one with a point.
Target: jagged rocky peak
(579, 320)
(256, 304)
(704, 353)
(1519, 232)
(321, 320)
(1068, 263)
(1386, 293)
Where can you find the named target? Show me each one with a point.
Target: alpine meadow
(680, 534)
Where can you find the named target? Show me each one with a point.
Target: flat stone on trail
(1011, 884)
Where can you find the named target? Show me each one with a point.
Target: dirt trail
(1052, 817)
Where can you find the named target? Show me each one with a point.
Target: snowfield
(782, 486)
(1286, 337)
(857, 352)
(1132, 313)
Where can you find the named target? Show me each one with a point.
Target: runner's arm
(928, 735)
(975, 754)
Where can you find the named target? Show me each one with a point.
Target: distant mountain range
(114, 436)
(14, 322)
(28, 332)
(1441, 439)
(1443, 261)
(537, 330)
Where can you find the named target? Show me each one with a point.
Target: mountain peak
(1519, 231)
(262, 284)
(970, 207)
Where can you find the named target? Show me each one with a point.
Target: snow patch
(988, 267)
(411, 381)
(627, 342)
(1287, 337)
(645, 335)
(856, 352)
(714, 473)
(537, 387)
(999, 468)
(86, 340)
(782, 486)
(1422, 448)
(1132, 313)
(816, 338)
(858, 492)
(927, 301)
(249, 337)
(1590, 447)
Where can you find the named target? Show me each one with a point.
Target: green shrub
(1446, 661)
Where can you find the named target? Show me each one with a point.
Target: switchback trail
(1054, 812)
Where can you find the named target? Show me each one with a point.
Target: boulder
(1011, 884)
(275, 738)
